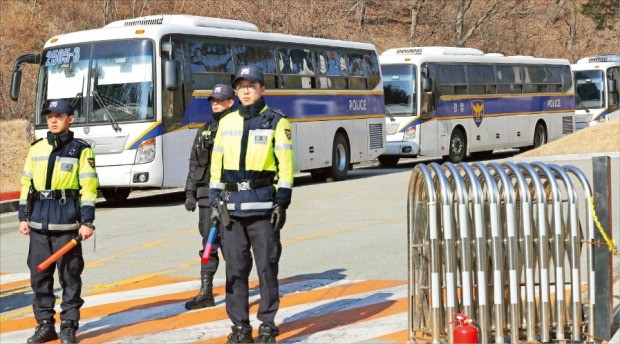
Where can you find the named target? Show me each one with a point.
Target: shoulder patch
(36, 141)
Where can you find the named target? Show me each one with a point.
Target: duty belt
(248, 184)
(57, 194)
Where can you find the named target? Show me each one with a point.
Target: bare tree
(463, 7)
(416, 7)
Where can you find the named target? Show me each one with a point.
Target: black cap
(221, 92)
(250, 73)
(59, 106)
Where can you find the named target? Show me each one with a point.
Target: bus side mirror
(427, 84)
(16, 80)
(611, 86)
(171, 74)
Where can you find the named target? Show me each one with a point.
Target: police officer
(197, 190)
(59, 175)
(252, 168)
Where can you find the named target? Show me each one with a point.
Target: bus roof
(600, 58)
(155, 26)
(418, 55)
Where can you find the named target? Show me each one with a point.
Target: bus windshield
(399, 88)
(108, 82)
(589, 88)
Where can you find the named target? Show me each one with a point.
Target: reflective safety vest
(62, 171)
(247, 150)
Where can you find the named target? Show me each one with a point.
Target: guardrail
(503, 244)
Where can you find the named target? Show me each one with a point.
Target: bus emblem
(477, 107)
(86, 130)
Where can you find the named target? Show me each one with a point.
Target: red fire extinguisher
(464, 332)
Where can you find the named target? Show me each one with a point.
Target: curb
(9, 206)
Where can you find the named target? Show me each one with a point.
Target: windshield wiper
(583, 106)
(107, 112)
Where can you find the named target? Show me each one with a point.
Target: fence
(503, 244)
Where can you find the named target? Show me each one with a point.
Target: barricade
(504, 245)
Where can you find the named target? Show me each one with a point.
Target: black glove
(190, 203)
(278, 217)
(215, 214)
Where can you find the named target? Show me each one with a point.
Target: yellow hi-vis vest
(73, 168)
(262, 150)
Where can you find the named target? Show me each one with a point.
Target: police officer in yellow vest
(252, 169)
(59, 175)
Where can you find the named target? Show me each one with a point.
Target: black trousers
(204, 226)
(254, 233)
(70, 267)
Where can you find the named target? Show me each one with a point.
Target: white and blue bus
(596, 80)
(457, 102)
(140, 89)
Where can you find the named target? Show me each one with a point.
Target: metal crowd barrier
(502, 244)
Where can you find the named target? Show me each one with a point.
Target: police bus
(457, 102)
(596, 80)
(140, 88)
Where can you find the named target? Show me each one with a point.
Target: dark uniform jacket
(197, 184)
(55, 164)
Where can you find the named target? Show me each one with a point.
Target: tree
(604, 13)
(464, 6)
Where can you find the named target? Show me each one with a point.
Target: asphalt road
(354, 229)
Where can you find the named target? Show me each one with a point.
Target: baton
(206, 254)
(54, 257)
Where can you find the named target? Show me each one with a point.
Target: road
(343, 269)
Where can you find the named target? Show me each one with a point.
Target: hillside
(601, 138)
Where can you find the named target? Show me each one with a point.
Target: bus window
(535, 79)
(451, 79)
(210, 63)
(480, 79)
(399, 89)
(297, 66)
(333, 70)
(259, 56)
(589, 87)
(358, 72)
(373, 70)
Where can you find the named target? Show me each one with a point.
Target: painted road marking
(152, 311)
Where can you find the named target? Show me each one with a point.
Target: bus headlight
(409, 134)
(146, 152)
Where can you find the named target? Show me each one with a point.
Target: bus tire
(340, 158)
(540, 136)
(457, 147)
(388, 160)
(115, 195)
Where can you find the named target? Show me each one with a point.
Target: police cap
(222, 92)
(59, 106)
(250, 73)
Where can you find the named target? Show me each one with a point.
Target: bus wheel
(340, 159)
(456, 152)
(388, 160)
(540, 135)
(115, 195)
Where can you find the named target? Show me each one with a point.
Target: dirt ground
(15, 141)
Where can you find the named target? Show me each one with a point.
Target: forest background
(568, 29)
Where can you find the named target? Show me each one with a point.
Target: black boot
(205, 295)
(45, 332)
(237, 335)
(266, 334)
(67, 331)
